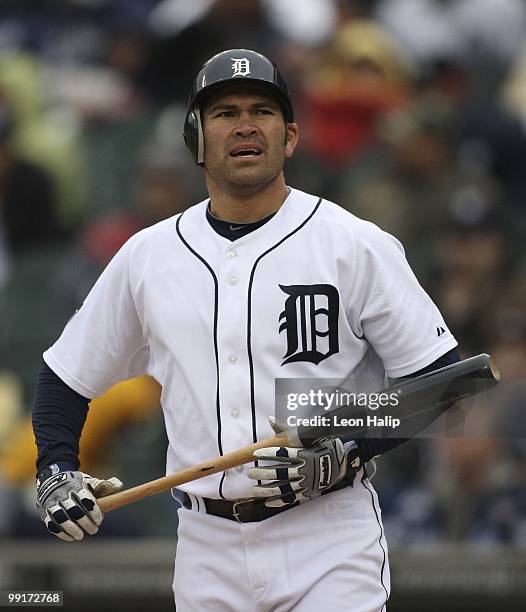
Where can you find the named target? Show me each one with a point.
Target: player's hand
(299, 474)
(67, 502)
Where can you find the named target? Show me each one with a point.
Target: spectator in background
(505, 134)
(473, 268)
(411, 183)
(221, 24)
(479, 480)
(358, 78)
(161, 190)
(45, 132)
(28, 215)
(480, 35)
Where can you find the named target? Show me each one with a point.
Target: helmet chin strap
(200, 137)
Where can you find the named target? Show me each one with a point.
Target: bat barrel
(426, 396)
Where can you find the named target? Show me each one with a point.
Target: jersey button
(232, 280)
(231, 254)
(239, 468)
(232, 359)
(235, 413)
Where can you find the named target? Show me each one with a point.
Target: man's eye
(263, 111)
(225, 114)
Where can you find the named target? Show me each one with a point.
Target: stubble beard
(245, 181)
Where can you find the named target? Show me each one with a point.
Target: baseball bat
(427, 394)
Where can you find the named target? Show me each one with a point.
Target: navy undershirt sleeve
(372, 447)
(59, 414)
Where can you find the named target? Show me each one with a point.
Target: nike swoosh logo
(234, 228)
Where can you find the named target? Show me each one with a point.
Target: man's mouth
(246, 152)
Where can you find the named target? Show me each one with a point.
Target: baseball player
(260, 281)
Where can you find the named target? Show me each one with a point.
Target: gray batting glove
(67, 502)
(298, 474)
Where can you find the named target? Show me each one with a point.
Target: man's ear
(291, 139)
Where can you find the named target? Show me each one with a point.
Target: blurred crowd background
(412, 115)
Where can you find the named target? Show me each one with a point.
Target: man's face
(246, 138)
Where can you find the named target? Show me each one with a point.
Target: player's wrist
(54, 468)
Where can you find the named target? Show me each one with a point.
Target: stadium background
(412, 115)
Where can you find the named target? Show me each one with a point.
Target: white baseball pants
(327, 554)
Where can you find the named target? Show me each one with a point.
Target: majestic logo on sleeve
(241, 67)
(310, 320)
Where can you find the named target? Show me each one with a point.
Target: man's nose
(245, 125)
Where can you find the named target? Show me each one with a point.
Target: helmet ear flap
(193, 135)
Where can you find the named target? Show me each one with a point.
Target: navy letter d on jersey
(310, 319)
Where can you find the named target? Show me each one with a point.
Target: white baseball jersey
(313, 293)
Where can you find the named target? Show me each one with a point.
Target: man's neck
(249, 207)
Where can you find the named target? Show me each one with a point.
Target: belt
(249, 510)
(242, 511)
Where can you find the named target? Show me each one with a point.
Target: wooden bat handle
(238, 457)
